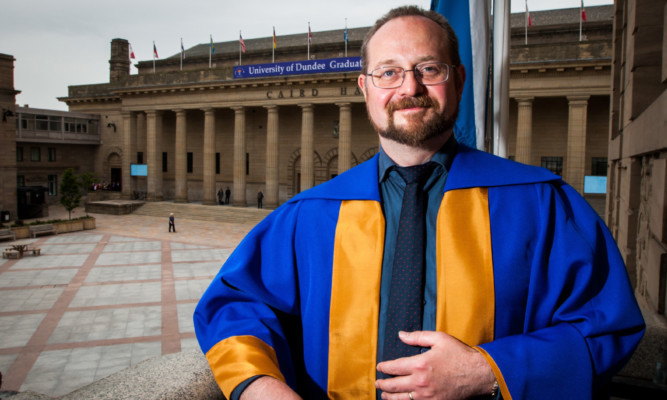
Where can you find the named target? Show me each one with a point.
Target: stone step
(202, 212)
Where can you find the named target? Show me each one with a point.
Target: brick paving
(98, 301)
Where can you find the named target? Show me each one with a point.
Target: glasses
(426, 73)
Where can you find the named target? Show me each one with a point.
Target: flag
(583, 11)
(469, 19)
(131, 51)
(182, 50)
(528, 19)
(243, 43)
(274, 37)
(212, 48)
(310, 36)
(155, 51)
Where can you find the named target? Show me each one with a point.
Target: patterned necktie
(406, 295)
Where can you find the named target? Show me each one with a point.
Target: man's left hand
(450, 369)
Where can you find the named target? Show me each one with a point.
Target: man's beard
(416, 133)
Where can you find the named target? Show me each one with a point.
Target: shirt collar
(443, 157)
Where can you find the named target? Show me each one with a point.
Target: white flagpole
(581, 20)
(182, 54)
(525, 25)
(153, 56)
(308, 40)
(210, 50)
(501, 44)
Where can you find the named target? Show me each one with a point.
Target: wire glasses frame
(430, 73)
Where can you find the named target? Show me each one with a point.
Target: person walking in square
(260, 197)
(172, 224)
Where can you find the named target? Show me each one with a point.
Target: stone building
(637, 201)
(7, 139)
(201, 123)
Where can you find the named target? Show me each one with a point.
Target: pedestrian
(228, 193)
(220, 194)
(260, 196)
(432, 270)
(172, 223)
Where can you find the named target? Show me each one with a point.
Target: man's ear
(362, 81)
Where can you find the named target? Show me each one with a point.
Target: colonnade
(153, 127)
(575, 165)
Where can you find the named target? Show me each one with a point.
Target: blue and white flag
(470, 20)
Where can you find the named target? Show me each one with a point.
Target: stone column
(575, 166)
(181, 159)
(238, 191)
(209, 157)
(524, 130)
(154, 156)
(344, 137)
(307, 170)
(272, 151)
(129, 133)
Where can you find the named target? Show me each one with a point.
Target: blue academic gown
(527, 273)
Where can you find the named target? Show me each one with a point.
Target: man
(172, 223)
(523, 290)
(228, 193)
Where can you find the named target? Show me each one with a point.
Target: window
(217, 163)
(42, 122)
(55, 124)
(52, 154)
(553, 164)
(190, 162)
(164, 162)
(247, 163)
(28, 122)
(53, 185)
(599, 166)
(20, 180)
(140, 157)
(35, 154)
(19, 154)
(70, 125)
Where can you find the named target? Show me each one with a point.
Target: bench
(42, 230)
(11, 254)
(7, 234)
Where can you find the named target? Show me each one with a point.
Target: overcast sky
(57, 43)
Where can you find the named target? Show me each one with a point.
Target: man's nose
(411, 85)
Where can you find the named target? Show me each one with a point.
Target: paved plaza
(98, 301)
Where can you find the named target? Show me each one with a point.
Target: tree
(86, 180)
(70, 191)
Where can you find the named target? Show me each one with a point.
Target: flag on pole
(583, 11)
(345, 37)
(131, 51)
(470, 22)
(155, 51)
(310, 39)
(212, 50)
(242, 43)
(182, 50)
(529, 21)
(274, 37)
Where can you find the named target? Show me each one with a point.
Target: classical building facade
(200, 123)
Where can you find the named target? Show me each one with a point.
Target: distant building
(8, 210)
(250, 124)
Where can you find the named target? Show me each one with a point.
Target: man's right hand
(267, 387)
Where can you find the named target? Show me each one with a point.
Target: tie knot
(416, 173)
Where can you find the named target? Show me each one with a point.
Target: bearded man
(431, 271)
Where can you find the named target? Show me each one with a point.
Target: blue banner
(343, 64)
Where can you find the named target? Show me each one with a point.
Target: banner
(470, 22)
(342, 64)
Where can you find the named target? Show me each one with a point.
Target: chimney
(119, 64)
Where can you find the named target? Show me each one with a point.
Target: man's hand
(449, 370)
(267, 387)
